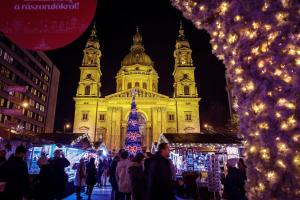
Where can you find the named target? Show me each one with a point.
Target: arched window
(145, 85)
(87, 90)
(186, 90)
(153, 87)
(137, 84)
(129, 85)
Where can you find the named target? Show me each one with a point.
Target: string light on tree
(265, 66)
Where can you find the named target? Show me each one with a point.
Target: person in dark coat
(44, 182)
(91, 173)
(138, 179)
(2, 156)
(243, 177)
(160, 185)
(100, 172)
(15, 173)
(232, 183)
(58, 164)
(147, 162)
(112, 176)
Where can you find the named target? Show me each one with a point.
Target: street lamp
(66, 126)
(208, 127)
(25, 104)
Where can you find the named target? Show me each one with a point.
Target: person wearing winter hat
(232, 183)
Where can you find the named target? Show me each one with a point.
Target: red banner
(14, 88)
(11, 112)
(45, 24)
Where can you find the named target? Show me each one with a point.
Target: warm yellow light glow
(261, 64)
(215, 33)
(252, 149)
(255, 51)
(258, 107)
(265, 6)
(270, 93)
(285, 3)
(281, 16)
(286, 78)
(271, 176)
(267, 27)
(232, 38)
(215, 47)
(296, 137)
(224, 7)
(249, 87)
(280, 163)
(202, 8)
(297, 61)
(284, 102)
(272, 36)
(265, 154)
(255, 25)
(292, 121)
(263, 125)
(278, 72)
(237, 18)
(282, 147)
(219, 26)
(261, 187)
(239, 79)
(250, 34)
(238, 70)
(25, 104)
(221, 34)
(296, 161)
(277, 114)
(264, 47)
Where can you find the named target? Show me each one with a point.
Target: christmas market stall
(203, 156)
(191, 152)
(73, 145)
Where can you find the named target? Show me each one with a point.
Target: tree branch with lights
(259, 42)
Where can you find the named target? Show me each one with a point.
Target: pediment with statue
(140, 92)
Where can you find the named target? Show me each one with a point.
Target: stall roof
(200, 138)
(77, 140)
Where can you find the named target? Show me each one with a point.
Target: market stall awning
(76, 140)
(190, 139)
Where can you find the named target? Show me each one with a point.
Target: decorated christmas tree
(133, 142)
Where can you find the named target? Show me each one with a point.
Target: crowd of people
(140, 177)
(49, 184)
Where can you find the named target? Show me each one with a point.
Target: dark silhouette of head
(124, 155)
(139, 157)
(164, 150)
(21, 152)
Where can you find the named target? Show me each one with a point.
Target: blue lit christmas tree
(133, 142)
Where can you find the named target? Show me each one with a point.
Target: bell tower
(90, 72)
(184, 78)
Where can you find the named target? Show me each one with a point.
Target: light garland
(260, 46)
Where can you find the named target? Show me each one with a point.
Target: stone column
(148, 139)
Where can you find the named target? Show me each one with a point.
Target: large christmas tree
(133, 142)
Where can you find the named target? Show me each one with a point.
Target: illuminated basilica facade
(104, 118)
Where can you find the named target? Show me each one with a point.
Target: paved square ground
(103, 193)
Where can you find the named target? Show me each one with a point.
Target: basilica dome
(137, 53)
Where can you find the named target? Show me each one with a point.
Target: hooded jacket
(138, 181)
(122, 176)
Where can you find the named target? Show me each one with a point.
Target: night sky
(158, 22)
